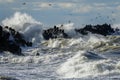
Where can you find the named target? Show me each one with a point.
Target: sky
(52, 12)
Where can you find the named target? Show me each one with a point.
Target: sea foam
(25, 24)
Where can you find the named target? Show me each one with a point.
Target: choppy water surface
(81, 57)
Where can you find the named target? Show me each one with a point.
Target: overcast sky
(61, 11)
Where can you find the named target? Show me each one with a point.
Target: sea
(82, 57)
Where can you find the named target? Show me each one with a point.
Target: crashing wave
(25, 24)
(76, 56)
(81, 66)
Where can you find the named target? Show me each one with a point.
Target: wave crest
(25, 24)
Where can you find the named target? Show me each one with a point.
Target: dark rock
(13, 46)
(7, 78)
(37, 54)
(104, 29)
(29, 44)
(53, 33)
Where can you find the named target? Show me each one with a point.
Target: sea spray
(24, 23)
(81, 65)
(79, 57)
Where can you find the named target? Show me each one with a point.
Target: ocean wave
(81, 66)
(25, 24)
(79, 56)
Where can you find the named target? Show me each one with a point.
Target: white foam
(19, 19)
(25, 24)
(69, 28)
(80, 61)
(80, 66)
(116, 26)
(85, 43)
